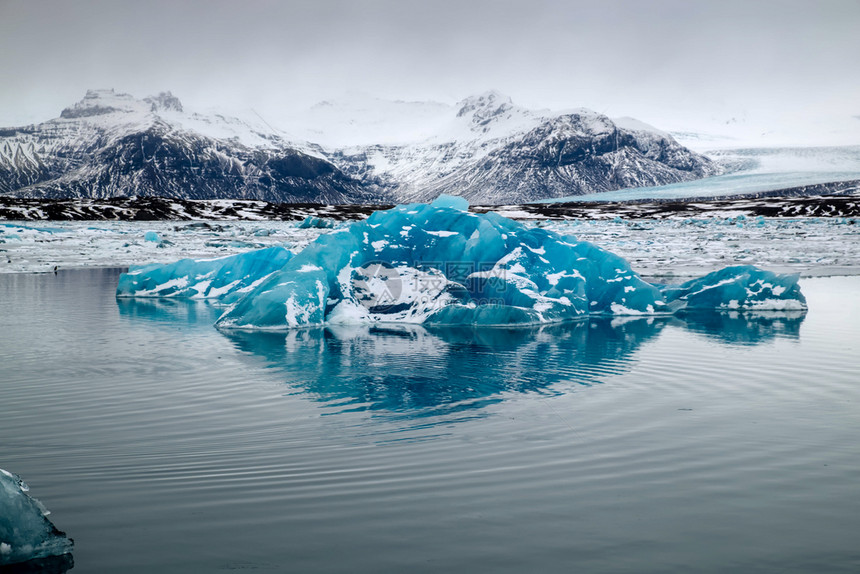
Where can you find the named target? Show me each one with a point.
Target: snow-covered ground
(656, 248)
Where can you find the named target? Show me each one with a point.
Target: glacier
(439, 264)
(25, 531)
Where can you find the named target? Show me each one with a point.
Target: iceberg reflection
(400, 369)
(169, 311)
(435, 370)
(429, 370)
(47, 565)
(735, 328)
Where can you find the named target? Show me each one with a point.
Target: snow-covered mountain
(111, 144)
(490, 150)
(485, 148)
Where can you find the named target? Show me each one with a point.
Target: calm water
(707, 444)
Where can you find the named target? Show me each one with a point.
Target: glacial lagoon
(708, 442)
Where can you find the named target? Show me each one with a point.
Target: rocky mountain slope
(485, 148)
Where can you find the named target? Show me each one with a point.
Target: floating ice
(311, 222)
(440, 264)
(225, 278)
(25, 532)
(739, 287)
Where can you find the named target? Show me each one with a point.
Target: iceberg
(440, 264)
(25, 531)
(739, 287)
(311, 222)
(224, 279)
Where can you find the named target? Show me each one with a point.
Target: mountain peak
(483, 108)
(102, 102)
(490, 99)
(164, 101)
(108, 101)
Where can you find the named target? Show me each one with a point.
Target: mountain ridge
(486, 149)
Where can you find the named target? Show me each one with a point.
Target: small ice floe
(25, 532)
(311, 222)
(440, 264)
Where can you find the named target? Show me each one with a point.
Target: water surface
(707, 443)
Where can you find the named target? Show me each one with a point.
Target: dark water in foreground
(700, 445)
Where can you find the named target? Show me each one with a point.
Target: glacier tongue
(440, 264)
(25, 532)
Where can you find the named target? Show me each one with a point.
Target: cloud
(664, 60)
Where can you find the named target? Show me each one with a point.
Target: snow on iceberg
(25, 532)
(440, 264)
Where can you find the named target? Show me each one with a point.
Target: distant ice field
(656, 248)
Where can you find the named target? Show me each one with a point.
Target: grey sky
(668, 61)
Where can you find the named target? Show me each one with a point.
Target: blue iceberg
(439, 264)
(311, 222)
(224, 279)
(25, 532)
(739, 287)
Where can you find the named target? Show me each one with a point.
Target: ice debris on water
(25, 531)
(441, 264)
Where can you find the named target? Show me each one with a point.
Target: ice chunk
(311, 222)
(739, 287)
(25, 532)
(151, 236)
(224, 279)
(440, 264)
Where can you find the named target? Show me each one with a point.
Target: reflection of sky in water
(416, 371)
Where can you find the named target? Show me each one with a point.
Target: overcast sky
(669, 62)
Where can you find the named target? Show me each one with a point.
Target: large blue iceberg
(440, 264)
(25, 532)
